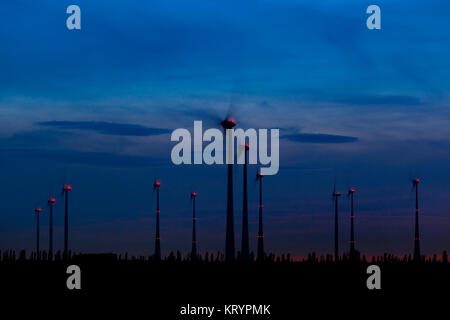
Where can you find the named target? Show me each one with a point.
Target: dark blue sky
(95, 108)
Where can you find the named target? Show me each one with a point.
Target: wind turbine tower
(37, 211)
(260, 236)
(245, 254)
(157, 256)
(194, 235)
(51, 203)
(229, 237)
(351, 193)
(66, 189)
(417, 257)
(336, 196)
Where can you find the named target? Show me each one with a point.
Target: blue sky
(367, 108)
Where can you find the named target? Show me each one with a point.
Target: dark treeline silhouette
(219, 257)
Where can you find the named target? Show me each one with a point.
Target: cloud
(76, 157)
(109, 128)
(319, 138)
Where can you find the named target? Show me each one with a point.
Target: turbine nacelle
(228, 123)
(66, 188)
(193, 195)
(38, 210)
(51, 201)
(415, 182)
(351, 191)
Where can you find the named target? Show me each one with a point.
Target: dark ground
(292, 289)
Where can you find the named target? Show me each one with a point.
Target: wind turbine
(417, 256)
(51, 203)
(37, 211)
(336, 195)
(157, 255)
(226, 124)
(245, 254)
(229, 237)
(194, 236)
(260, 236)
(351, 193)
(66, 189)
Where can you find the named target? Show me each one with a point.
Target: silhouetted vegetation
(218, 257)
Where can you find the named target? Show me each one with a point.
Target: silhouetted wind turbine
(417, 256)
(194, 236)
(156, 186)
(66, 189)
(336, 195)
(51, 202)
(229, 237)
(37, 211)
(245, 254)
(351, 193)
(260, 236)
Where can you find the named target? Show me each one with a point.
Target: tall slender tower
(157, 256)
(245, 254)
(37, 211)
(260, 236)
(417, 256)
(194, 235)
(229, 238)
(66, 190)
(351, 193)
(51, 202)
(336, 195)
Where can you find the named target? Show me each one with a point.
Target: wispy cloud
(319, 138)
(109, 128)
